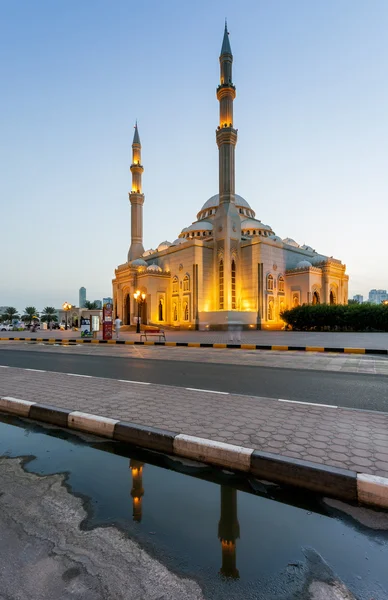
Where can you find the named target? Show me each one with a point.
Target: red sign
(107, 321)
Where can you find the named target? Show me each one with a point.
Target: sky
(311, 112)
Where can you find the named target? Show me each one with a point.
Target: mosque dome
(138, 262)
(164, 245)
(291, 242)
(200, 226)
(149, 252)
(154, 268)
(304, 264)
(275, 238)
(305, 247)
(255, 227)
(210, 205)
(179, 240)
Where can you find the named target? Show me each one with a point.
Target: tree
(90, 305)
(10, 313)
(30, 313)
(49, 314)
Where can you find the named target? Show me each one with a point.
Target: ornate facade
(227, 266)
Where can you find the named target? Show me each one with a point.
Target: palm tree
(90, 305)
(30, 313)
(10, 314)
(49, 314)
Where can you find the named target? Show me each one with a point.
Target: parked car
(4, 327)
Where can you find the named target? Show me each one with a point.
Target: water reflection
(137, 491)
(228, 525)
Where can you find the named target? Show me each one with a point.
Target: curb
(275, 348)
(341, 484)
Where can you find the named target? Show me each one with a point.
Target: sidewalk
(311, 441)
(264, 338)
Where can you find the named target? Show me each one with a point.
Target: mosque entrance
(127, 310)
(143, 313)
(316, 298)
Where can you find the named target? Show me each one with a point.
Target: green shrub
(337, 317)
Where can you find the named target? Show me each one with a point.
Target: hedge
(337, 317)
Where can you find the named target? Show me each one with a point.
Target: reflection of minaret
(229, 531)
(137, 491)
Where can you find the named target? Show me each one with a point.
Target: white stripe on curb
(4, 367)
(35, 370)
(372, 489)
(92, 423)
(15, 406)
(77, 375)
(207, 391)
(217, 453)
(308, 403)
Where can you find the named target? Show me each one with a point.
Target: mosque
(227, 267)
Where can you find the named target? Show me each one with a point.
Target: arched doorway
(127, 310)
(160, 310)
(316, 299)
(143, 313)
(332, 297)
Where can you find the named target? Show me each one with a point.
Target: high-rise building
(358, 298)
(82, 297)
(98, 303)
(378, 296)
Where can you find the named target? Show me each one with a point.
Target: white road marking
(139, 382)
(207, 391)
(77, 375)
(308, 403)
(36, 370)
(4, 367)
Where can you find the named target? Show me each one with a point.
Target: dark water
(219, 528)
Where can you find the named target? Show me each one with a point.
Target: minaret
(136, 198)
(227, 223)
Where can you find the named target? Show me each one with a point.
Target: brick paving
(290, 338)
(351, 439)
(318, 361)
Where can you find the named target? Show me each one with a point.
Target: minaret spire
(136, 198)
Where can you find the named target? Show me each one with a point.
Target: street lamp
(66, 307)
(140, 298)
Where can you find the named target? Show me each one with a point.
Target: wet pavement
(234, 537)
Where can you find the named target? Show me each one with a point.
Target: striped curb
(342, 484)
(276, 348)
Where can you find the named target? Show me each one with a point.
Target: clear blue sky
(311, 109)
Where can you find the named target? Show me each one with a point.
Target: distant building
(82, 297)
(358, 298)
(107, 301)
(378, 296)
(98, 303)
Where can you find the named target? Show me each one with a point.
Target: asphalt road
(351, 390)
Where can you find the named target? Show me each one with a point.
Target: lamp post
(66, 307)
(140, 298)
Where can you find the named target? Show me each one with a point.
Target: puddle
(236, 537)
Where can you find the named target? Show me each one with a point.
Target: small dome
(305, 247)
(138, 262)
(291, 242)
(164, 245)
(304, 264)
(149, 252)
(275, 238)
(154, 268)
(199, 226)
(179, 241)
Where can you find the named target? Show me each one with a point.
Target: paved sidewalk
(317, 361)
(345, 438)
(270, 338)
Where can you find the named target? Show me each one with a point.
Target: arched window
(282, 307)
(270, 310)
(233, 284)
(175, 285)
(185, 311)
(269, 282)
(186, 283)
(295, 300)
(174, 311)
(281, 284)
(333, 299)
(316, 299)
(161, 309)
(221, 284)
